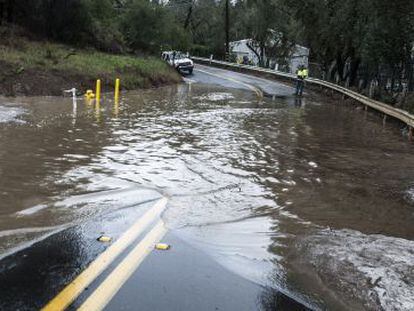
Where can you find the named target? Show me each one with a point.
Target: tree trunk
(253, 50)
(227, 26)
(1, 11)
(354, 71)
(10, 11)
(262, 52)
(410, 74)
(49, 30)
(188, 18)
(340, 66)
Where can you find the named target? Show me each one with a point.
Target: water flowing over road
(306, 197)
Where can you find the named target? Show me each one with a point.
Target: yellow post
(116, 110)
(98, 91)
(117, 83)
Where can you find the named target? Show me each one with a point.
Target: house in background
(247, 49)
(299, 56)
(242, 49)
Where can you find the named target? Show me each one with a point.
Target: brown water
(313, 198)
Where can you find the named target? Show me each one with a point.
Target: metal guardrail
(399, 114)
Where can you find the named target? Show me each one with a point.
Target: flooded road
(310, 198)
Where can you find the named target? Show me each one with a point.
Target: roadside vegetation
(43, 68)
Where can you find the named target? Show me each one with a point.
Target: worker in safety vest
(302, 74)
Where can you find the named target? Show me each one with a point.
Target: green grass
(135, 72)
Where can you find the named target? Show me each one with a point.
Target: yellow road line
(78, 285)
(111, 285)
(258, 92)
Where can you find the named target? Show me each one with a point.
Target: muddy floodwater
(311, 198)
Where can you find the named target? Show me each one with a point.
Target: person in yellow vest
(302, 74)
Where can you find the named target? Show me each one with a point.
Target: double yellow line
(258, 92)
(110, 286)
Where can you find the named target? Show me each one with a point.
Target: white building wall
(241, 49)
(300, 55)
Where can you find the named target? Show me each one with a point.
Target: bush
(201, 50)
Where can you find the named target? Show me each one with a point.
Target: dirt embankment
(38, 81)
(30, 67)
(52, 82)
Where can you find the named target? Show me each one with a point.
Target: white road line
(258, 92)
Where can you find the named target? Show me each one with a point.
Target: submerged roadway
(221, 257)
(131, 275)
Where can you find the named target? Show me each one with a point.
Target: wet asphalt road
(212, 75)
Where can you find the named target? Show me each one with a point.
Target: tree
(149, 26)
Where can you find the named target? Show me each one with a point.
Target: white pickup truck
(179, 61)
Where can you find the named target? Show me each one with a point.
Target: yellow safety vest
(303, 73)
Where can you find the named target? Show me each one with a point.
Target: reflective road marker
(111, 285)
(78, 285)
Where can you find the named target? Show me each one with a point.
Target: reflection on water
(271, 299)
(275, 190)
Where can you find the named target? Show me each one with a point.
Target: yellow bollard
(116, 110)
(117, 83)
(98, 91)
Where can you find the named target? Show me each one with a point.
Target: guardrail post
(410, 133)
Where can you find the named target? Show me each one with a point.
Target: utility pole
(227, 26)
